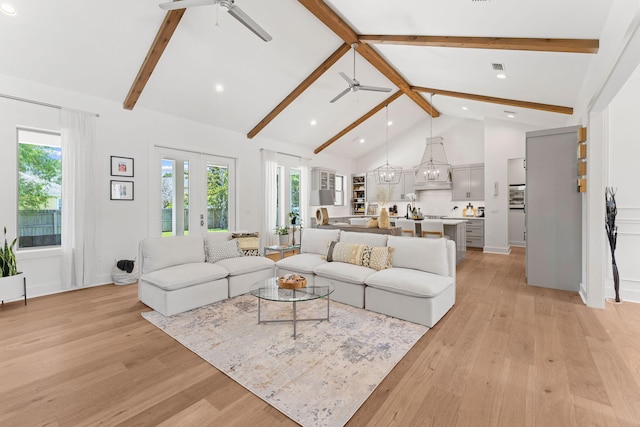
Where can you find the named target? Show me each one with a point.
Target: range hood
(434, 172)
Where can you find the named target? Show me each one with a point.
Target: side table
(280, 248)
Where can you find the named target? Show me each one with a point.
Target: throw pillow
(376, 257)
(215, 251)
(249, 243)
(372, 223)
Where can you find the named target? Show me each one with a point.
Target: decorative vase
(283, 239)
(383, 219)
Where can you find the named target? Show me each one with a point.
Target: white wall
(121, 225)
(502, 141)
(623, 156)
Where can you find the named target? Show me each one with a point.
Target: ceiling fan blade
(348, 79)
(374, 88)
(245, 20)
(341, 94)
(183, 4)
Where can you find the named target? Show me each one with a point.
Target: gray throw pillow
(215, 251)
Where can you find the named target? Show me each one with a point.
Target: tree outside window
(39, 189)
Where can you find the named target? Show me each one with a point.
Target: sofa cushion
(410, 282)
(216, 251)
(217, 236)
(316, 241)
(185, 275)
(158, 253)
(245, 264)
(302, 263)
(370, 239)
(423, 254)
(344, 272)
(378, 257)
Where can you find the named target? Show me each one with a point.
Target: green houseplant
(12, 282)
(8, 257)
(283, 234)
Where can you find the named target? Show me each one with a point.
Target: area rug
(319, 379)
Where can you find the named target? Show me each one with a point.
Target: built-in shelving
(359, 196)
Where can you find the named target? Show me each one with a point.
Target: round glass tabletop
(268, 289)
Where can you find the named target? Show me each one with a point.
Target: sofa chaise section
(420, 286)
(174, 276)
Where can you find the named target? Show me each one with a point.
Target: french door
(195, 193)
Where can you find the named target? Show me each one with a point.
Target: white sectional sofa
(419, 286)
(175, 277)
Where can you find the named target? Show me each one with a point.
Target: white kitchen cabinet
(517, 227)
(323, 179)
(468, 182)
(516, 172)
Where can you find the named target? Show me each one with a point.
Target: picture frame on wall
(121, 190)
(121, 166)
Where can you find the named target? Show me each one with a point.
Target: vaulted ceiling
(144, 57)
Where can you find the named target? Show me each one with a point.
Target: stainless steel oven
(516, 196)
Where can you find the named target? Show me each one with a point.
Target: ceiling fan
(354, 85)
(233, 10)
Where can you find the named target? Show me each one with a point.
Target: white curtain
(270, 191)
(305, 186)
(78, 201)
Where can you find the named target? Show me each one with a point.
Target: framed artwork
(121, 190)
(121, 166)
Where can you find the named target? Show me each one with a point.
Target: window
(339, 198)
(39, 188)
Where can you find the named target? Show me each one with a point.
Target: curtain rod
(287, 154)
(44, 104)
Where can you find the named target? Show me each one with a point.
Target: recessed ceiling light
(313, 122)
(361, 140)
(219, 88)
(465, 108)
(510, 114)
(501, 76)
(8, 9)
(389, 123)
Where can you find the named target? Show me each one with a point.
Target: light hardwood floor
(507, 354)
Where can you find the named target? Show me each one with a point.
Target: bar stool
(407, 226)
(432, 228)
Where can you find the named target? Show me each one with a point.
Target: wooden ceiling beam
(494, 100)
(358, 122)
(506, 43)
(328, 17)
(168, 26)
(344, 48)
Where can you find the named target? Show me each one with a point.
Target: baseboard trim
(496, 250)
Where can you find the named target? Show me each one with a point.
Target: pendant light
(434, 167)
(388, 174)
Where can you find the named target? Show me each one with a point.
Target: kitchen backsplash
(438, 202)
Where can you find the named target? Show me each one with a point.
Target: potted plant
(283, 234)
(12, 284)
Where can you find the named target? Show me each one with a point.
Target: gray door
(553, 209)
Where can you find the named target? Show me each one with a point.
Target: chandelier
(387, 174)
(434, 166)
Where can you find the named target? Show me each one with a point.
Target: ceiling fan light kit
(232, 9)
(354, 84)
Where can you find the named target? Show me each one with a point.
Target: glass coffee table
(268, 289)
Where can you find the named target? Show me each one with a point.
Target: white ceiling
(97, 47)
